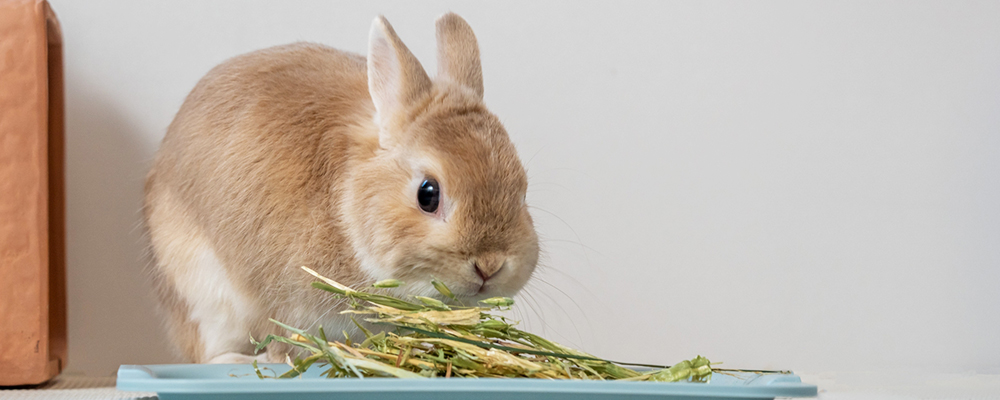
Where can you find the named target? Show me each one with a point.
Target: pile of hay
(432, 339)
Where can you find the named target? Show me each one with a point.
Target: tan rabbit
(362, 169)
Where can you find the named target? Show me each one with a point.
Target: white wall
(801, 185)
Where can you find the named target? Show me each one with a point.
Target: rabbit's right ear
(458, 53)
(395, 77)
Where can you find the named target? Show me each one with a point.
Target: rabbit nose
(488, 266)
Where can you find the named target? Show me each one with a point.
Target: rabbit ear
(395, 77)
(458, 53)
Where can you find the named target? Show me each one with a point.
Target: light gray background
(800, 185)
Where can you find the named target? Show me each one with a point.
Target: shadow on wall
(112, 314)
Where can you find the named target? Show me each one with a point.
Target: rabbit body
(306, 155)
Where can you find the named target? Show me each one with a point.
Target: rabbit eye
(429, 195)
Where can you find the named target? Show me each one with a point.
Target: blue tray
(232, 381)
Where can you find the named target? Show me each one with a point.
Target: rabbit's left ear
(458, 53)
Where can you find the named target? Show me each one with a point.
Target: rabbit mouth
(469, 278)
(484, 289)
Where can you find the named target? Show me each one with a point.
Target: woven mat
(75, 387)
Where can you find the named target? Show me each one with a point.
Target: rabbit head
(442, 195)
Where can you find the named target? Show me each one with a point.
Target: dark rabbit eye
(429, 195)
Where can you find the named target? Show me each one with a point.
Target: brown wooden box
(32, 205)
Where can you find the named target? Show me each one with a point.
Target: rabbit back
(243, 189)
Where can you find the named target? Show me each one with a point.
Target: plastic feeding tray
(231, 381)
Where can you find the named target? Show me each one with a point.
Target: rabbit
(361, 168)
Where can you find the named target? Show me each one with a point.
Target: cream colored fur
(306, 155)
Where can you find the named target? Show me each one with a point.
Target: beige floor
(75, 388)
(833, 386)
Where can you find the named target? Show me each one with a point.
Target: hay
(429, 338)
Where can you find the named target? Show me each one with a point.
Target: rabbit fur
(304, 155)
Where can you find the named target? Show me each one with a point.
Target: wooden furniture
(32, 206)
